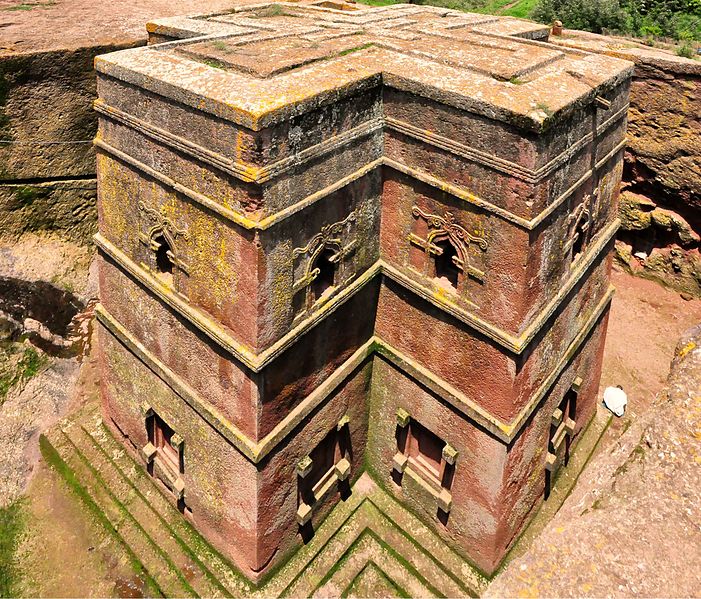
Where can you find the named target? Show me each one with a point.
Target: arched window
(327, 273)
(579, 239)
(445, 265)
(164, 257)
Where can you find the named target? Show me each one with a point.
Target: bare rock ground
(23, 416)
(33, 405)
(40, 25)
(632, 526)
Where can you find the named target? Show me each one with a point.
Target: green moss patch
(18, 371)
(11, 525)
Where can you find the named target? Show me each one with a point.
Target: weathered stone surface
(45, 112)
(312, 217)
(663, 161)
(47, 86)
(66, 208)
(659, 244)
(636, 507)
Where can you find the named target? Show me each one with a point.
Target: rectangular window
(425, 450)
(323, 458)
(162, 439)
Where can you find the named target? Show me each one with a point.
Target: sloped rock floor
(630, 528)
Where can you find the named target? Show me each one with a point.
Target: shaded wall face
(220, 483)
(524, 475)
(344, 226)
(470, 362)
(278, 482)
(315, 357)
(473, 522)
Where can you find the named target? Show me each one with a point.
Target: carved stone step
(158, 568)
(223, 578)
(140, 509)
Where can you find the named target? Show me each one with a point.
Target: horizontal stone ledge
(515, 343)
(254, 451)
(252, 173)
(260, 175)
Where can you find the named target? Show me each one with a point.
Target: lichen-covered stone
(65, 208)
(318, 215)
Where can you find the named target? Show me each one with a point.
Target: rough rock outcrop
(661, 203)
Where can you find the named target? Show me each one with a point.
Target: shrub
(677, 19)
(590, 15)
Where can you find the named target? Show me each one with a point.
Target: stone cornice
(341, 141)
(251, 173)
(255, 451)
(223, 336)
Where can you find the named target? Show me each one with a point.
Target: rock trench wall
(661, 200)
(47, 163)
(49, 186)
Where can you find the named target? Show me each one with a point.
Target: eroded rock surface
(633, 523)
(45, 316)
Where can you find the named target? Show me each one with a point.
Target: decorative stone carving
(337, 238)
(579, 223)
(159, 224)
(446, 228)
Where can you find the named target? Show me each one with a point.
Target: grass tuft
(11, 525)
(27, 367)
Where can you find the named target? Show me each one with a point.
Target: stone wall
(660, 205)
(47, 122)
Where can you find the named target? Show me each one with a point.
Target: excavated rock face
(660, 205)
(660, 243)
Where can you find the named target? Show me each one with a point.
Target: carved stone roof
(257, 64)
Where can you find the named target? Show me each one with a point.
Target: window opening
(445, 264)
(162, 440)
(425, 449)
(164, 253)
(327, 273)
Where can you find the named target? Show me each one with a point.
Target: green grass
(30, 5)
(11, 524)
(521, 8)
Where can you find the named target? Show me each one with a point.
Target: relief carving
(159, 225)
(331, 246)
(445, 228)
(579, 225)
